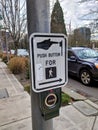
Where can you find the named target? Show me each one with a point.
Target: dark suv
(83, 63)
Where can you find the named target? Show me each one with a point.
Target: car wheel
(85, 77)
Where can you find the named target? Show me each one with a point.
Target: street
(90, 92)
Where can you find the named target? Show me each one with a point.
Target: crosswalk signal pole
(38, 21)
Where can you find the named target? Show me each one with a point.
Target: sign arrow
(59, 80)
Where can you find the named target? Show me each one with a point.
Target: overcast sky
(73, 11)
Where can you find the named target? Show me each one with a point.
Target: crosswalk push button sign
(48, 55)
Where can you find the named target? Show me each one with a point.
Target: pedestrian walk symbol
(50, 72)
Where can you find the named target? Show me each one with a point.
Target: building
(82, 36)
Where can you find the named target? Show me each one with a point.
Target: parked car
(12, 51)
(20, 52)
(83, 63)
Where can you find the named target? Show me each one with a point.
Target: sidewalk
(15, 108)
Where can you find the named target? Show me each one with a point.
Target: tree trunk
(16, 48)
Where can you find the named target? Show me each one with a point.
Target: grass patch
(27, 88)
(65, 99)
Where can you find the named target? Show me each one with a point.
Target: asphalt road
(89, 91)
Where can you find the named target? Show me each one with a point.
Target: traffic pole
(38, 20)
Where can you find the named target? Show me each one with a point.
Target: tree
(57, 19)
(91, 15)
(71, 40)
(14, 19)
(24, 43)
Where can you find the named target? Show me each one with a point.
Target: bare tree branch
(91, 16)
(14, 18)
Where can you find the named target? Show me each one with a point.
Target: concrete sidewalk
(15, 108)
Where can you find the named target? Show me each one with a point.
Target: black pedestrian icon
(50, 72)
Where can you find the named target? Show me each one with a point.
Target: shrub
(17, 64)
(1, 55)
(11, 56)
(4, 58)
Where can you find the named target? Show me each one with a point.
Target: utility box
(50, 102)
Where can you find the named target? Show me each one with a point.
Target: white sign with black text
(48, 54)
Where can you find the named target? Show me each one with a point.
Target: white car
(22, 52)
(12, 51)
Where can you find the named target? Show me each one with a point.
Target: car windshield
(86, 53)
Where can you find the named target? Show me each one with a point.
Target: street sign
(48, 54)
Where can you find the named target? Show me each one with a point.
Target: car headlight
(96, 65)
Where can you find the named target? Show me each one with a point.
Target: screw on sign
(51, 100)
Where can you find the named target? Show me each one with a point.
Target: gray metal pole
(38, 16)
(38, 21)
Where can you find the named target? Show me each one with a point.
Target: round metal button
(51, 100)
